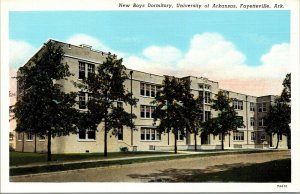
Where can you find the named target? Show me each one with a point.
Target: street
(177, 170)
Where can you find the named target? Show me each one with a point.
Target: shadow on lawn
(273, 171)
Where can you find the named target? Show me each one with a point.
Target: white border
(27, 5)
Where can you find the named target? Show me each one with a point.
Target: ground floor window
(19, 137)
(220, 136)
(179, 136)
(87, 134)
(29, 136)
(238, 136)
(150, 134)
(262, 137)
(252, 136)
(120, 134)
(42, 138)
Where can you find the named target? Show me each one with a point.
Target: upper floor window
(252, 122)
(81, 70)
(261, 123)
(120, 134)
(149, 90)
(252, 136)
(147, 111)
(262, 107)
(82, 100)
(238, 104)
(252, 106)
(91, 69)
(206, 96)
(29, 136)
(204, 86)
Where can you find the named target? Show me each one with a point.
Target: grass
(24, 158)
(34, 158)
(272, 171)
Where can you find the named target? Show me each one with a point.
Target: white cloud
(19, 53)
(167, 55)
(79, 39)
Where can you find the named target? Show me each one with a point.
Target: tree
(171, 107)
(279, 117)
(42, 108)
(105, 88)
(227, 120)
(193, 110)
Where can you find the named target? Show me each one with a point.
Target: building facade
(83, 60)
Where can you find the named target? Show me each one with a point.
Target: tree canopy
(227, 119)
(106, 88)
(42, 108)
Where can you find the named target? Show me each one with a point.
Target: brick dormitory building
(83, 59)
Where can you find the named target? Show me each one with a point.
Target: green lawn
(23, 158)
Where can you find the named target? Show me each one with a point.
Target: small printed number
(281, 186)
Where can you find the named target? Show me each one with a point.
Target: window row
(149, 90)
(238, 104)
(150, 134)
(85, 69)
(262, 107)
(84, 97)
(262, 122)
(147, 111)
(204, 86)
(28, 137)
(238, 136)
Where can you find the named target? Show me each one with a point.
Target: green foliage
(42, 107)
(279, 117)
(227, 120)
(176, 108)
(106, 88)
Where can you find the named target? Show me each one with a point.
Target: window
(142, 111)
(201, 86)
(81, 70)
(29, 136)
(262, 137)
(87, 134)
(150, 134)
(146, 111)
(252, 106)
(242, 118)
(19, 137)
(252, 122)
(119, 104)
(82, 102)
(238, 136)
(220, 136)
(148, 90)
(153, 91)
(238, 104)
(120, 134)
(261, 123)
(91, 69)
(252, 136)
(207, 115)
(42, 138)
(179, 136)
(142, 87)
(262, 107)
(206, 97)
(204, 86)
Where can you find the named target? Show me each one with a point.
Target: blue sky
(247, 47)
(252, 32)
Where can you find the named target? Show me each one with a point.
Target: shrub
(124, 149)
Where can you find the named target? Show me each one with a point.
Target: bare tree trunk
(277, 141)
(49, 145)
(34, 143)
(195, 136)
(175, 145)
(271, 140)
(222, 141)
(105, 134)
(23, 142)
